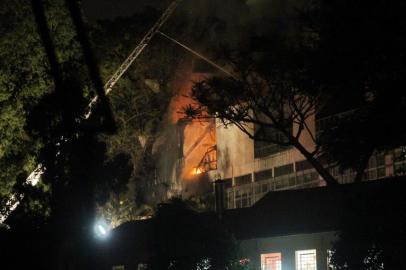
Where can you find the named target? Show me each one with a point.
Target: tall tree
(25, 79)
(271, 98)
(312, 55)
(141, 99)
(184, 239)
(361, 53)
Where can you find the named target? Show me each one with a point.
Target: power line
(198, 55)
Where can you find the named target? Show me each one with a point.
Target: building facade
(285, 230)
(209, 151)
(251, 169)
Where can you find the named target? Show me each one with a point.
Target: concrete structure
(285, 230)
(300, 251)
(251, 170)
(209, 151)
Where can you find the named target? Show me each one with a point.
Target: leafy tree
(271, 97)
(300, 68)
(372, 233)
(25, 79)
(361, 54)
(141, 99)
(185, 239)
(76, 172)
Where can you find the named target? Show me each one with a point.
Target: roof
(313, 209)
(278, 213)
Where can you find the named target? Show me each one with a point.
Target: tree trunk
(362, 166)
(324, 173)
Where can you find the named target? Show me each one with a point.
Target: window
(228, 183)
(243, 197)
(306, 259)
(264, 148)
(244, 179)
(303, 165)
(230, 198)
(283, 170)
(271, 261)
(263, 175)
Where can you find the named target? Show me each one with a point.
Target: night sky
(105, 9)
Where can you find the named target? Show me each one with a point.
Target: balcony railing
(248, 194)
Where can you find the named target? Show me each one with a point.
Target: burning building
(189, 150)
(249, 169)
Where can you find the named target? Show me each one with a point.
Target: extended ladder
(34, 177)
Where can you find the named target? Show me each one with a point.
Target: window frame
(274, 255)
(304, 251)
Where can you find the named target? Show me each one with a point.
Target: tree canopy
(184, 240)
(25, 79)
(315, 59)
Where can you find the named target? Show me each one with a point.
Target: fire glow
(197, 136)
(198, 171)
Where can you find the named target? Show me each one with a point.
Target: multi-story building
(249, 169)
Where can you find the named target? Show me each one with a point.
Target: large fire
(198, 136)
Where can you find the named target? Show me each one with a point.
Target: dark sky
(102, 9)
(243, 18)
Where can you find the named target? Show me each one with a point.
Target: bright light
(198, 171)
(101, 229)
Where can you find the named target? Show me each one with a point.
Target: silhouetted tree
(372, 233)
(76, 173)
(361, 53)
(185, 239)
(311, 57)
(271, 98)
(25, 78)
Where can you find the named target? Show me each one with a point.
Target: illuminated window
(271, 261)
(306, 259)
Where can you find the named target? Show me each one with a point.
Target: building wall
(192, 139)
(287, 246)
(252, 178)
(235, 151)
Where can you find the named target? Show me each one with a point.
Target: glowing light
(198, 171)
(101, 229)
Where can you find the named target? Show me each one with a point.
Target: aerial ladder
(34, 177)
(108, 87)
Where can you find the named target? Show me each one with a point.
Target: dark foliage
(185, 239)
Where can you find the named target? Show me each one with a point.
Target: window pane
(244, 179)
(271, 261)
(263, 175)
(306, 259)
(283, 170)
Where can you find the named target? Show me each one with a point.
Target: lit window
(271, 261)
(306, 259)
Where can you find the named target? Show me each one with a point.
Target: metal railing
(248, 194)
